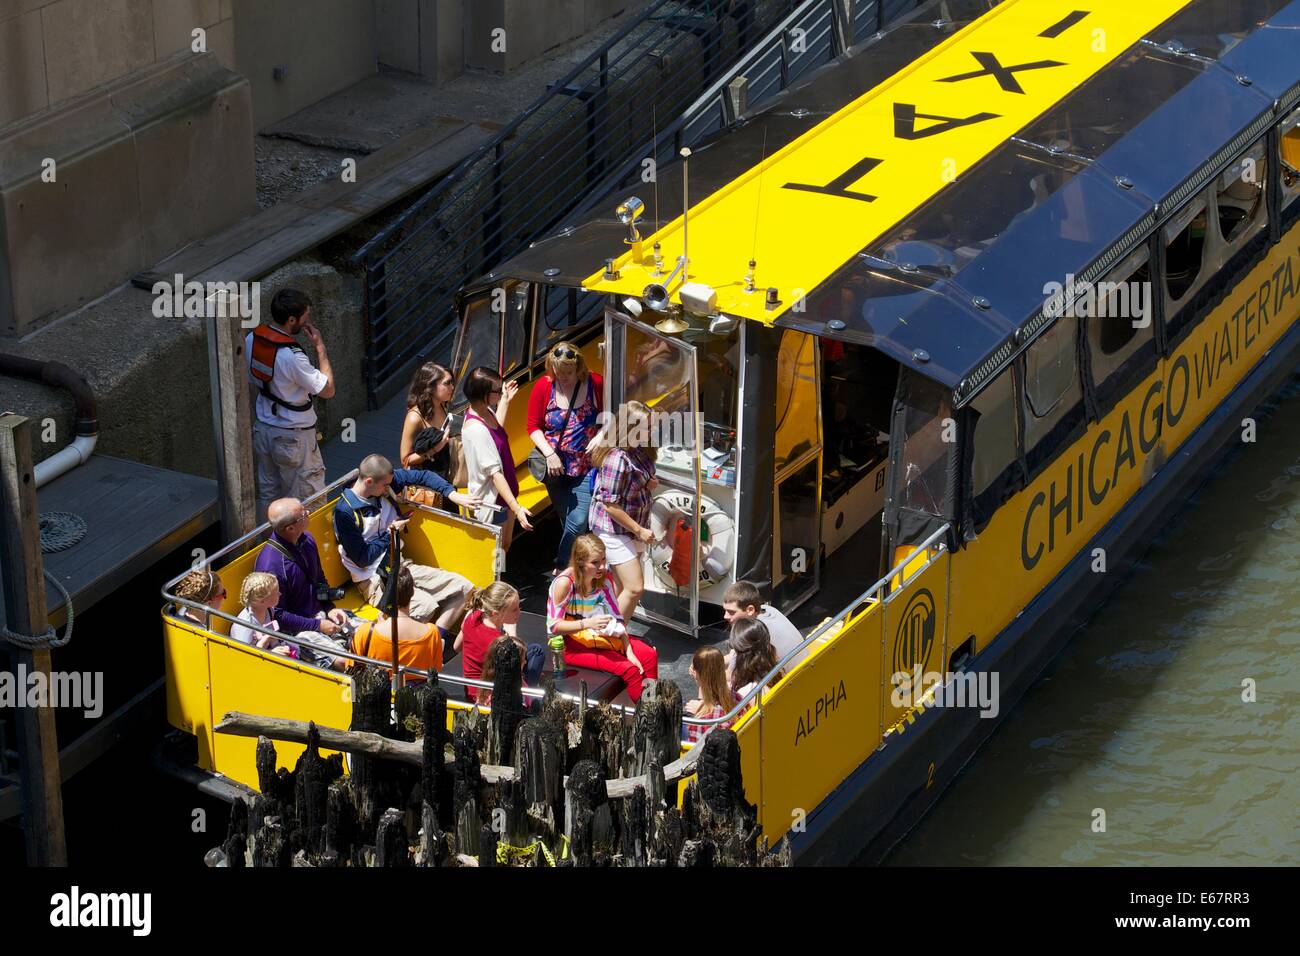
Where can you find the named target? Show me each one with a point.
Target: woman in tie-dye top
(582, 606)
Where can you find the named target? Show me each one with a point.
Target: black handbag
(536, 460)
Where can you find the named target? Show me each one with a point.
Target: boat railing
(899, 576)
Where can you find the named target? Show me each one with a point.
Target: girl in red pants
(583, 608)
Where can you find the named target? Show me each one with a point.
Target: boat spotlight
(628, 213)
(698, 298)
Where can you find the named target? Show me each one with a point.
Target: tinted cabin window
(1240, 197)
(1052, 389)
(1120, 323)
(515, 328)
(995, 432)
(1290, 141)
(1185, 252)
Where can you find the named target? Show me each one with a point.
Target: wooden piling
(22, 571)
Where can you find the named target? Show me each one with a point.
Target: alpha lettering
(824, 707)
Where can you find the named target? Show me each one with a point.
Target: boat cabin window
(922, 485)
(997, 450)
(1185, 247)
(1289, 138)
(494, 332)
(1118, 319)
(1053, 393)
(563, 311)
(1239, 198)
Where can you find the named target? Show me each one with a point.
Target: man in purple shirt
(291, 555)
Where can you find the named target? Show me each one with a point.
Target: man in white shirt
(743, 599)
(285, 451)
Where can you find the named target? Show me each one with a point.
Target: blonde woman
(581, 607)
(562, 420)
(620, 499)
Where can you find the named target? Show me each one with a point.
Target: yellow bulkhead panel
(818, 725)
(831, 192)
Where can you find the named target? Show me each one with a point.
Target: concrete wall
(531, 28)
(324, 46)
(53, 50)
(141, 166)
(422, 36)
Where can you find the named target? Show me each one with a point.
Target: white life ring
(717, 536)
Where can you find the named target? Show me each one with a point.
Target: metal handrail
(869, 595)
(410, 286)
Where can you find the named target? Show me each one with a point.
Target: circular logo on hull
(915, 636)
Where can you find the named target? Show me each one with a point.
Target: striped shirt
(577, 606)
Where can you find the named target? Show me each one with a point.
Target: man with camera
(292, 557)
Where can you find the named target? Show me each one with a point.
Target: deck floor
(134, 514)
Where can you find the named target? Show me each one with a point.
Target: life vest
(267, 342)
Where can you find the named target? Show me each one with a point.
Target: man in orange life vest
(285, 452)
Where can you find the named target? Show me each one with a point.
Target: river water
(1142, 715)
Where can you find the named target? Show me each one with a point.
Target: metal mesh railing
(657, 85)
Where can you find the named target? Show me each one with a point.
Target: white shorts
(620, 549)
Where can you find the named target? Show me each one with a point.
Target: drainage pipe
(58, 375)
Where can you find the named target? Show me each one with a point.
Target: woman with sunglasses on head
(200, 586)
(488, 458)
(427, 429)
(562, 419)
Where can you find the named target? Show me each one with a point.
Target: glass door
(797, 509)
(650, 370)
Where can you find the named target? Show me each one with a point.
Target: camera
(326, 593)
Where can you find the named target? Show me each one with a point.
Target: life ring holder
(717, 535)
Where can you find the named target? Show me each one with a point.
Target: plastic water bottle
(557, 656)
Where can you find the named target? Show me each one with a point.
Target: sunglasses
(565, 354)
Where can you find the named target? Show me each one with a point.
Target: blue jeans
(572, 500)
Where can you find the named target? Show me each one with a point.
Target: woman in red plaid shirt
(620, 499)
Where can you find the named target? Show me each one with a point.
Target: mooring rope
(49, 638)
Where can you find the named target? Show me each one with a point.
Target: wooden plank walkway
(260, 244)
(134, 514)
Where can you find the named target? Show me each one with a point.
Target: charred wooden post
(434, 846)
(371, 709)
(507, 704)
(236, 846)
(585, 796)
(391, 847)
(724, 812)
(468, 784)
(636, 814)
(697, 853)
(312, 778)
(670, 837)
(435, 779)
(539, 767)
(274, 784)
(340, 824)
(487, 846)
(271, 846)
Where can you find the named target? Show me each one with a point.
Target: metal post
(24, 583)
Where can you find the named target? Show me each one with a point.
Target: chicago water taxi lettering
(1052, 514)
(824, 707)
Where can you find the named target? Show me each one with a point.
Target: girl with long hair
(582, 607)
(709, 668)
(620, 499)
(427, 428)
(755, 655)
